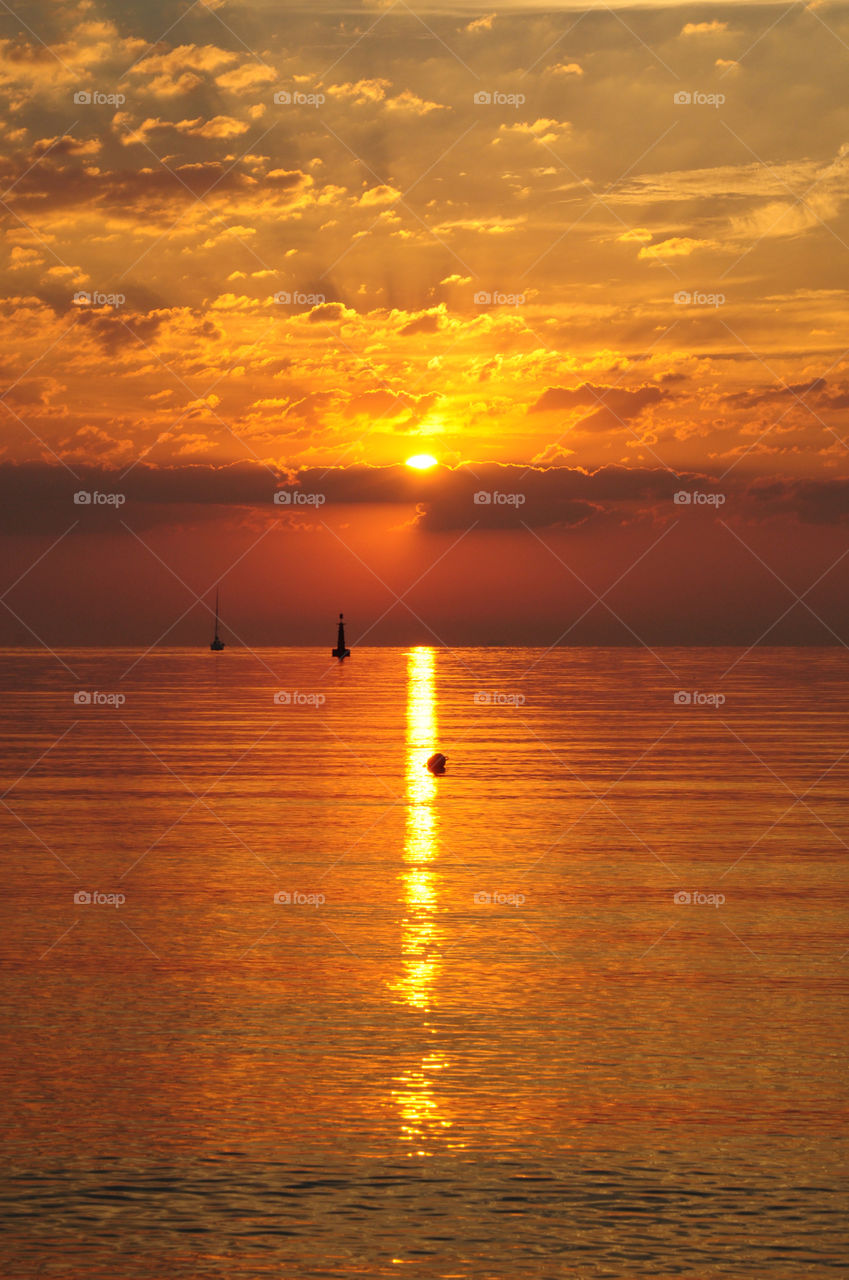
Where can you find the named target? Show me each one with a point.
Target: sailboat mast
(217, 643)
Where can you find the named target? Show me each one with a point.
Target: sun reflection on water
(417, 1097)
(419, 931)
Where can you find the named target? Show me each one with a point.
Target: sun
(422, 461)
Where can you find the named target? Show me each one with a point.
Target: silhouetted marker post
(340, 651)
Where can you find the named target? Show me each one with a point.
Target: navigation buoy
(436, 763)
(340, 651)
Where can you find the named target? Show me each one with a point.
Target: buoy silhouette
(436, 763)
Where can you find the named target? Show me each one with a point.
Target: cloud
(247, 76)
(65, 145)
(407, 101)
(182, 69)
(704, 28)
(442, 499)
(540, 497)
(810, 501)
(544, 131)
(787, 217)
(37, 497)
(374, 197)
(19, 258)
(371, 92)
(223, 127)
(815, 393)
(595, 311)
(612, 406)
(427, 322)
(217, 127)
(360, 92)
(675, 247)
(37, 69)
(116, 330)
(329, 313)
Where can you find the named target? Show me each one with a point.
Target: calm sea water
(572, 1009)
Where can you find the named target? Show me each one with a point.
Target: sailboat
(340, 651)
(217, 642)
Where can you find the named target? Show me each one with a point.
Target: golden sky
(605, 248)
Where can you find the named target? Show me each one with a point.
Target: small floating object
(437, 762)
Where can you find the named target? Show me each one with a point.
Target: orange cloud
(704, 28)
(675, 247)
(375, 196)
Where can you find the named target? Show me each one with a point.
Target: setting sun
(422, 461)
